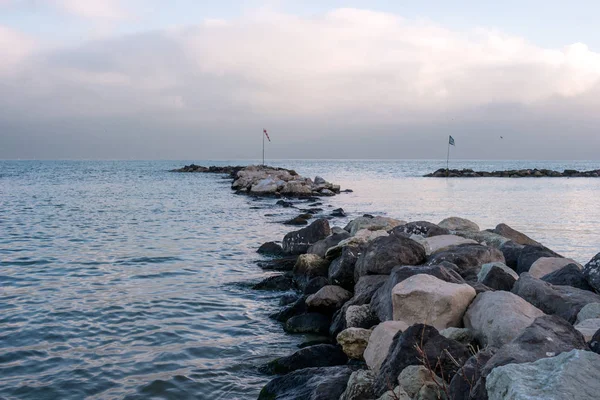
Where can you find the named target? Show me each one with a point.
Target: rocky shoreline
(516, 173)
(417, 310)
(262, 180)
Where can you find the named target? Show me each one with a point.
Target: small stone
(354, 341)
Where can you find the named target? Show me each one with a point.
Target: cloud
(347, 71)
(96, 9)
(14, 48)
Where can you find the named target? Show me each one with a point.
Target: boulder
(465, 336)
(426, 299)
(420, 343)
(589, 311)
(588, 328)
(497, 277)
(270, 248)
(380, 341)
(298, 242)
(372, 224)
(459, 224)
(416, 380)
(279, 264)
(320, 248)
(463, 383)
(277, 282)
(591, 271)
(320, 355)
(595, 342)
(360, 317)
(265, 186)
(569, 275)
(547, 336)
(384, 253)
(443, 242)
(571, 375)
(296, 308)
(514, 235)
(360, 240)
(296, 189)
(511, 252)
(381, 302)
(421, 228)
(325, 383)
(338, 212)
(308, 323)
(288, 298)
(341, 270)
(468, 258)
(397, 394)
(328, 299)
(564, 301)
(299, 220)
(354, 341)
(485, 238)
(546, 265)
(530, 254)
(315, 284)
(499, 317)
(486, 268)
(360, 386)
(309, 266)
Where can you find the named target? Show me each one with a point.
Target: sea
(122, 280)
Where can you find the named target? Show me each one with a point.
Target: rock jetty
(421, 310)
(515, 173)
(260, 180)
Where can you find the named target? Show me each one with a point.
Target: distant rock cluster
(418, 310)
(514, 173)
(260, 180)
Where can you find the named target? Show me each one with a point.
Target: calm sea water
(122, 280)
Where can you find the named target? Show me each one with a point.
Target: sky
(198, 80)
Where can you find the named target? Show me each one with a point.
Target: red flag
(265, 131)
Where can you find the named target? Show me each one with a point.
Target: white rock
(443, 242)
(485, 268)
(498, 317)
(380, 341)
(546, 265)
(354, 341)
(264, 186)
(588, 328)
(428, 300)
(589, 311)
(459, 224)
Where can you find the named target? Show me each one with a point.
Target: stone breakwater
(417, 310)
(516, 173)
(262, 180)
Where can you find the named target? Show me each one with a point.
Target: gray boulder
(497, 276)
(572, 375)
(320, 355)
(588, 328)
(546, 265)
(341, 270)
(360, 317)
(372, 223)
(421, 228)
(514, 235)
(384, 253)
(320, 248)
(307, 267)
(271, 248)
(564, 301)
(591, 271)
(589, 311)
(569, 275)
(298, 242)
(459, 224)
(328, 299)
(530, 254)
(511, 252)
(326, 383)
(360, 386)
(308, 323)
(468, 258)
(462, 386)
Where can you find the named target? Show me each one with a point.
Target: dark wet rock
(442, 354)
(516, 173)
(422, 228)
(338, 212)
(312, 211)
(288, 298)
(328, 299)
(325, 383)
(569, 275)
(298, 242)
(360, 386)
(547, 336)
(347, 191)
(498, 279)
(320, 248)
(298, 307)
(479, 287)
(320, 355)
(308, 323)
(384, 253)
(514, 235)
(468, 258)
(317, 204)
(271, 248)
(595, 342)
(341, 270)
(315, 284)
(307, 267)
(381, 302)
(511, 252)
(299, 220)
(277, 282)
(462, 385)
(319, 340)
(279, 264)
(285, 204)
(591, 272)
(564, 301)
(530, 254)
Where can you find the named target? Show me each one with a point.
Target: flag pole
(263, 137)
(448, 159)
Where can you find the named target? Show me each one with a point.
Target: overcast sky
(187, 79)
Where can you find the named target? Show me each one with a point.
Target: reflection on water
(122, 280)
